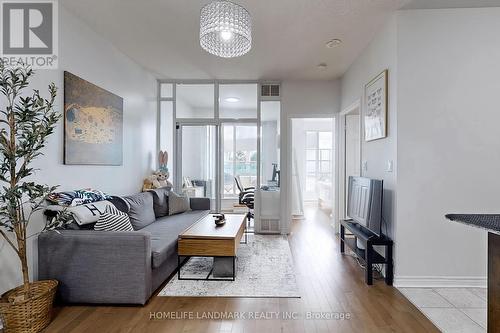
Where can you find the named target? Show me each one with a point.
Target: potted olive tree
(26, 120)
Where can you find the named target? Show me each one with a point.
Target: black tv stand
(368, 256)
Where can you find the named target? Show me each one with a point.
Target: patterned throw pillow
(88, 195)
(62, 198)
(77, 197)
(113, 220)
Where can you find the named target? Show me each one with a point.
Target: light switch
(365, 166)
(390, 166)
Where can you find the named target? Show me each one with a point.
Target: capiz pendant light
(225, 29)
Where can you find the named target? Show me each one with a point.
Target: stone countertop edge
(454, 218)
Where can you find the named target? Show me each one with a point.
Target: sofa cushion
(141, 211)
(177, 203)
(199, 203)
(120, 203)
(160, 201)
(165, 231)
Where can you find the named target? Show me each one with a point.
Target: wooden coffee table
(205, 239)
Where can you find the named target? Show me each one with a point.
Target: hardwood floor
(329, 283)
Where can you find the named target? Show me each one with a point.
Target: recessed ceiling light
(232, 99)
(333, 43)
(322, 66)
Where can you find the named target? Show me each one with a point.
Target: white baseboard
(440, 281)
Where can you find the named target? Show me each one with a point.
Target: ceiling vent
(270, 90)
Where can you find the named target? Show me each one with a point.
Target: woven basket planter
(31, 315)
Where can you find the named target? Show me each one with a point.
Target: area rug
(264, 268)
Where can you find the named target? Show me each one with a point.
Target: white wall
(379, 55)
(302, 99)
(448, 141)
(84, 53)
(442, 136)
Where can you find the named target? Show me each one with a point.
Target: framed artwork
(375, 108)
(93, 123)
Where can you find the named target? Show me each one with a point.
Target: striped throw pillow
(113, 220)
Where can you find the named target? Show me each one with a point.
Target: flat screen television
(364, 203)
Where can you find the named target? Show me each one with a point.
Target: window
(166, 90)
(167, 134)
(238, 101)
(270, 139)
(318, 158)
(240, 157)
(195, 101)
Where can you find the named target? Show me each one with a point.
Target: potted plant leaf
(26, 120)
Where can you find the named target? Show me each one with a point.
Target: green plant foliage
(26, 120)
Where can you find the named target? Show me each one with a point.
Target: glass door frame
(216, 121)
(236, 122)
(178, 157)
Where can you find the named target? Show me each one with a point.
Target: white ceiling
(439, 4)
(289, 36)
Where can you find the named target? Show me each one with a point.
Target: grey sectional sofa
(118, 267)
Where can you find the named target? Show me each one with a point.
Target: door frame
(289, 161)
(178, 153)
(236, 122)
(215, 121)
(341, 157)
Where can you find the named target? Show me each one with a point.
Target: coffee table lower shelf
(205, 240)
(207, 278)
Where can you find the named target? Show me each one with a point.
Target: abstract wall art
(93, 123)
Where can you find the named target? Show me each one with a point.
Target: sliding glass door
(197, 149)
(216, 140)
(238, 160)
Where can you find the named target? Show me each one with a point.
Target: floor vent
(270, 226)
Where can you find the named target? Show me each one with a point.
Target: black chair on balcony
(246, 198)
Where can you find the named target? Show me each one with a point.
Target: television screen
(364, 202)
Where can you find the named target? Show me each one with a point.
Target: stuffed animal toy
(158, 178)
(161, 179)
(162, 161)
(147, 184)
(163, 173)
